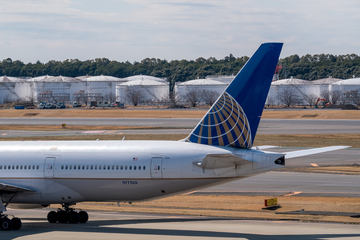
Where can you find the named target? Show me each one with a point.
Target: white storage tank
(349, 89)
(142, 91)
(13, 89)
(202, 87)
(52, 88)
(302, 92)
(144, 77)
(100, 88)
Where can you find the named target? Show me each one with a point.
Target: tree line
(309, 67)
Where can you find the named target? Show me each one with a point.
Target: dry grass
(103, 113)
(73, 127)
(239, 207)
(172, 137)
(172, 113)
(348, 170)
(308, 140)
(312, 114)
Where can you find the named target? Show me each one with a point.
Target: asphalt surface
(176, 126)
(112, 225)
(305, 184)
(281, 183)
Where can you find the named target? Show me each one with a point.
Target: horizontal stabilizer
(213, 161)
(302, 153)
(8, 188)
(263, 147)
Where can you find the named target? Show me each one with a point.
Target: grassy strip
(173, 137)
(239, 207)
(76, 127)
(348, 170)
(308, 140)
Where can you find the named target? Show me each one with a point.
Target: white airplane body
(219, 149)
(62, 172)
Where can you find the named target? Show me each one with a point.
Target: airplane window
(134, 167)
(25, 167)
(62, 167)
(121, 167)
(87, 167)
(113, 167)
(21, 167)
(0, 166)
(17, 167)
(125, 167)
(95, 167)
(91, 167)
(13, 167)
(70, 167)
(66, 167)
(37, 167)
(130, 167)
(79, 167)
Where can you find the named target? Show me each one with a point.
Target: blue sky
(32, 30)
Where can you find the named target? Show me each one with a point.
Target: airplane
(219, 149)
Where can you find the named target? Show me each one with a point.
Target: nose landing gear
(67, 215)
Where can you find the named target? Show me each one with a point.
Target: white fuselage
(75, 171)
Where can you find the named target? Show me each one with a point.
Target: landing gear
(67, 215)
(5, 222)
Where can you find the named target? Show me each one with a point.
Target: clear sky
(32, 30)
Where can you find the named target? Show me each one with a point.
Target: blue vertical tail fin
(234, 118)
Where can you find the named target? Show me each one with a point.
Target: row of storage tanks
(150, 89)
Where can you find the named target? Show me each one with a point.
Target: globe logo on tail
(225, 124)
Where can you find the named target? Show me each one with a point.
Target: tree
(310, 99)
(134, 96)
(335, 97)
(192, 97)
(353, 97)
(288, 97)
(209, 97)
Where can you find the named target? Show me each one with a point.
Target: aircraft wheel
(73, 217)
(63, 217)
(5, 223)
(83, 217)
(52, 217)
(16, 223)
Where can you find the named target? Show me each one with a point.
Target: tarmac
(112, 225)
(175, 126)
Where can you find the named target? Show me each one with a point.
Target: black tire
(63, 217)
(5, 223)
(16, 223)
(83, 217)
(73, 217)
(52, 217)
